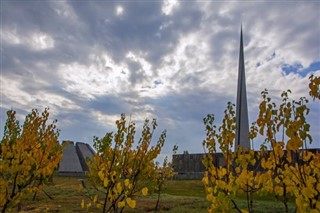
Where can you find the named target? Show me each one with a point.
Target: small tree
(162, 174)
(219, 180)
(295, 170)
(287, 169)
(29, 156)
(249, 180)
(119, 172)
(224, 181)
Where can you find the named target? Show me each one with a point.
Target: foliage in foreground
(29, 154)
(287, 169)
(119, 172)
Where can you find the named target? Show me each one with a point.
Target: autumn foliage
(283, 166)
(29, 154)
(122, 168)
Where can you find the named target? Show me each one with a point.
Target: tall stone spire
(242, 107)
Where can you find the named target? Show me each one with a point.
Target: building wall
(190, 166)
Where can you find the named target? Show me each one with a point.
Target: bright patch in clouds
(119, 10)
(169, 5)
(37, 41)
(101, 77)
(41, 42)
(188, 60)
(10, 36)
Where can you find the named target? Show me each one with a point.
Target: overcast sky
(177, 61)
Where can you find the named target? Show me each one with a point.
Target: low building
(190, 166)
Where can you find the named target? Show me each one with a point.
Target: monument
(242, 120)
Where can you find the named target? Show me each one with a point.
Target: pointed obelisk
(242, 120)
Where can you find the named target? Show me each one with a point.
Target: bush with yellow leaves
(28, 154)
(284, 166)
(224, 182)
(295, 170)
(162, 175)
(118, 171)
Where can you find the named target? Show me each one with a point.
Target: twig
(235, 206)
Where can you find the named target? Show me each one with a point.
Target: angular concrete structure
(74, 158)
(84, 151)
(70, 161)
(242, 119)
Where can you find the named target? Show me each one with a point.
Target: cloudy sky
(177, 61)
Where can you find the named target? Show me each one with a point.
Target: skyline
(176, 61)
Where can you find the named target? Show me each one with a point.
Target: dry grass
(179, 196)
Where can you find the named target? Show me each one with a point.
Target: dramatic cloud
(176, 61)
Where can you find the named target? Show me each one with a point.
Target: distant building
(74, 158)
(190, 166)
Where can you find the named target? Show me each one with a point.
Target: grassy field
(179, 196)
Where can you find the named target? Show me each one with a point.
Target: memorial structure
(74, 157)
(242, 119)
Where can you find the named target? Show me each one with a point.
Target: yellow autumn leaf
(80, 187)
(308, 156)
(299, 201)
(121, 204)
(126, 182)
(278, 190)
(101, 175)
(318, 205)
(131, 203)
(145, 191)
(222, 172)
(205, 180)
(210, 190)
(308, 191)
(210, 197)
(221, 184)
(82, 204)
(105, 182)
(88, 205)
(237, 170)
(95, 199)
(119, 188)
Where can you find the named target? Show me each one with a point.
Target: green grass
(179, 196)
